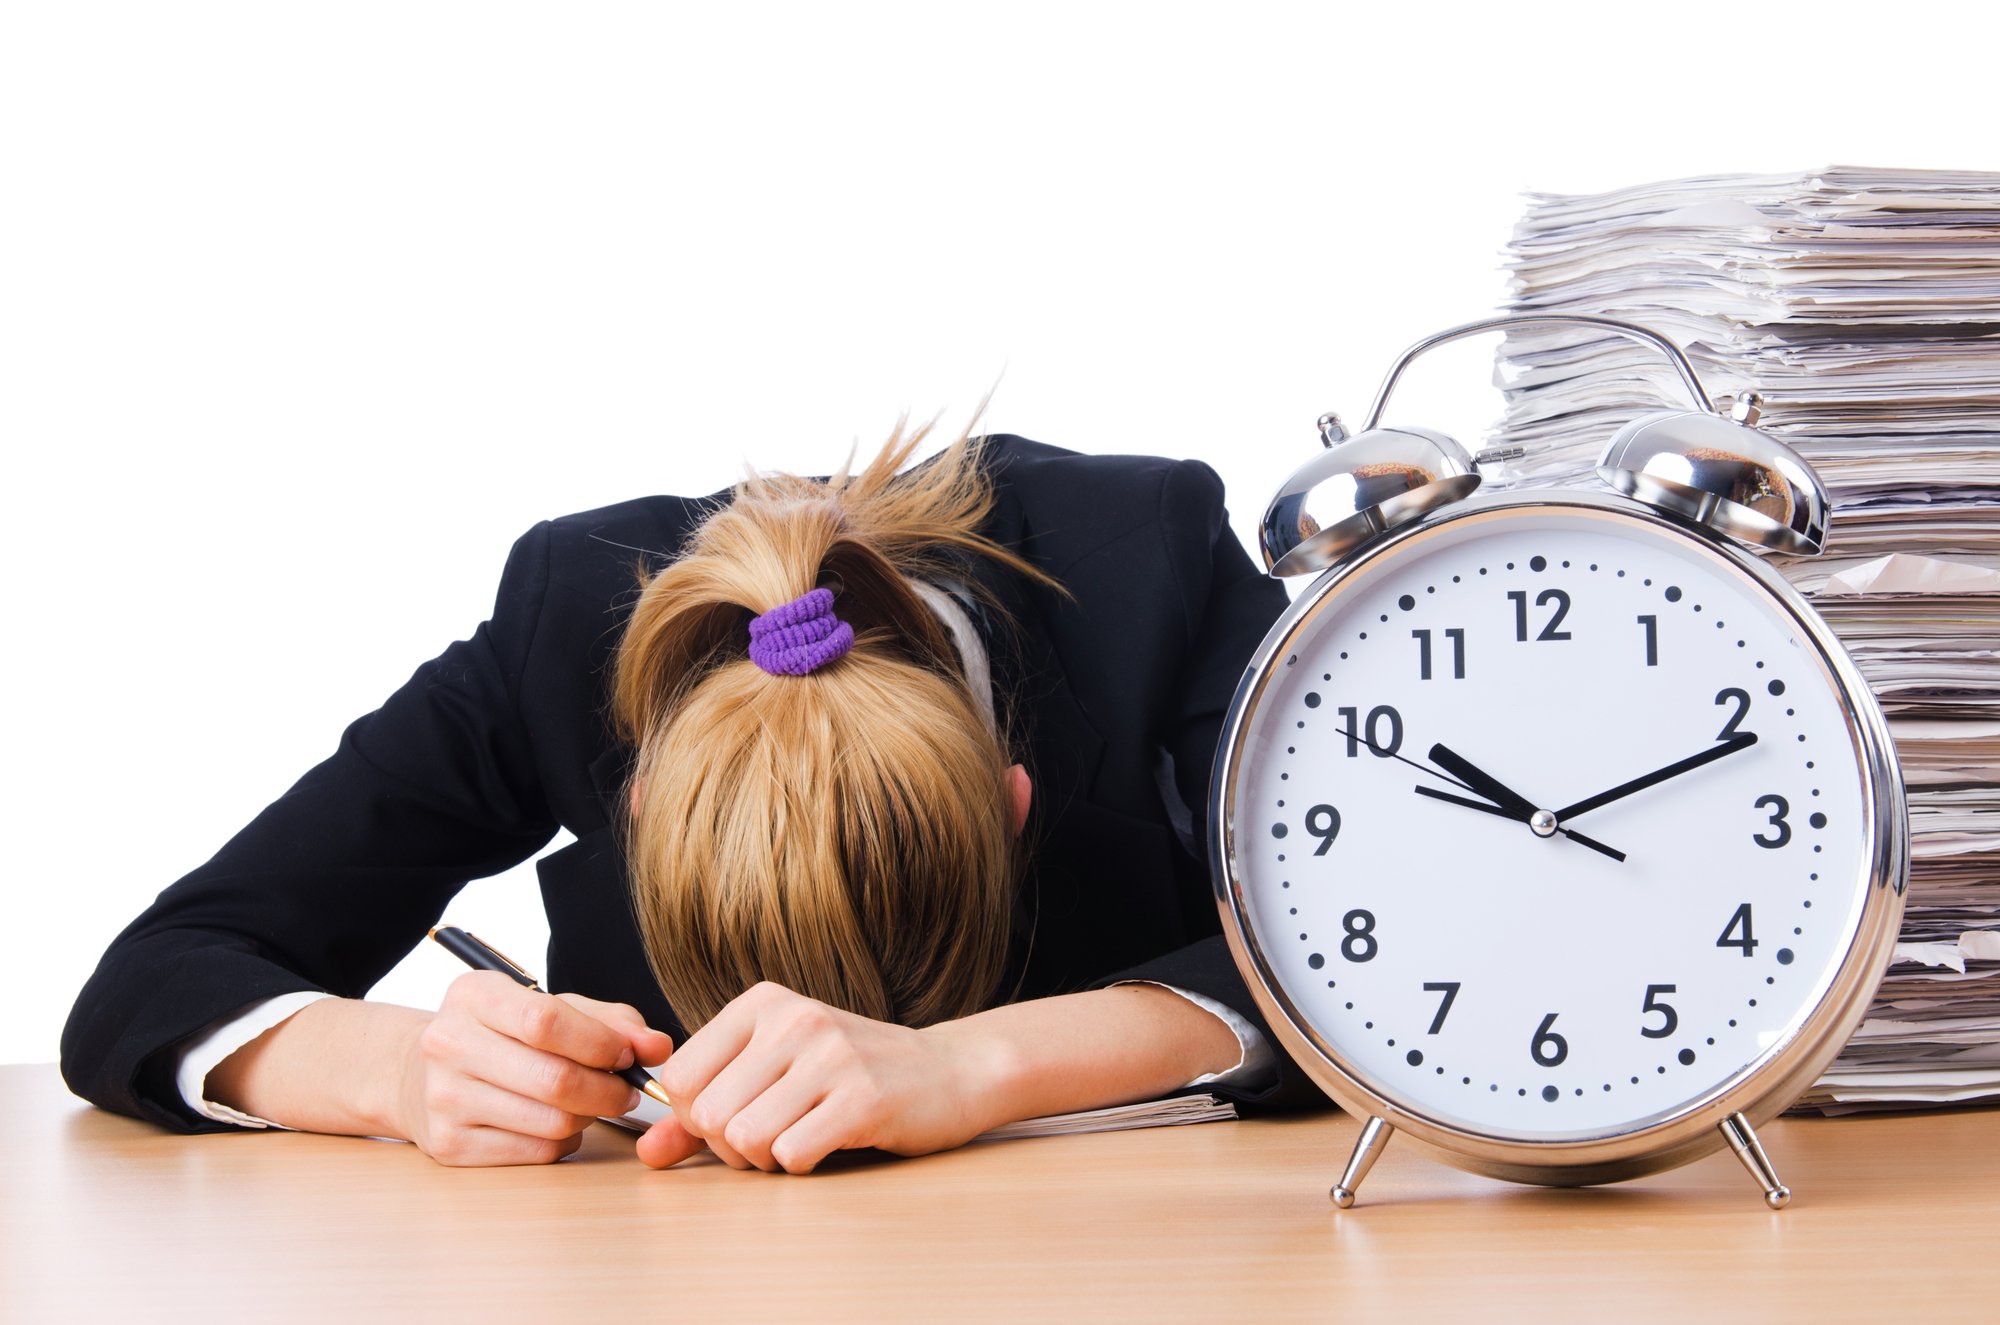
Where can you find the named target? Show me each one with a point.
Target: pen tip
(658, 1092)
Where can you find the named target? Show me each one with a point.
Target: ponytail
(846, 832)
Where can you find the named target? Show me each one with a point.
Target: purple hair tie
(796, 637)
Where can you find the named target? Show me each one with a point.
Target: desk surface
(105, 1218)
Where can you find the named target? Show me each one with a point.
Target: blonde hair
(847, 833)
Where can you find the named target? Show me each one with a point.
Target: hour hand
(1492, 788)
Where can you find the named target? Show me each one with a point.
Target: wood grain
(105, 1218)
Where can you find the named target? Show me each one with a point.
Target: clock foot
(1736, 1130)
(1375, 1135)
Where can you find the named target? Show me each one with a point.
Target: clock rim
(1765, 1086)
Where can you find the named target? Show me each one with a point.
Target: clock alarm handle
(1653, 338)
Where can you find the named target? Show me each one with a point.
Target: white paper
(1177, 1112)
(1903, 573)
(1155, 1113)
(1861, 305)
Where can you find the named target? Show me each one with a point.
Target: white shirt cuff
(1255, 1064)
(205, 1051)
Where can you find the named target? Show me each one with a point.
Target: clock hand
(1515, 806)
(1511, 817)
(1486, 807)
(1511, 804)
(1518, 806)
(1740, 741)
(1425, 769)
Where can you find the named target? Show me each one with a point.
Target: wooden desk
(103, 1218)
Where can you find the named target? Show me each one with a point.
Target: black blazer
(475, 763)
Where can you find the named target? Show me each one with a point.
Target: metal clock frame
(1727, 1113)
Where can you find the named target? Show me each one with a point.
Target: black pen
(462, 945)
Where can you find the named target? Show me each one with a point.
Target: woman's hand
(780, 1081)
(503, 1074)
(506, 1075)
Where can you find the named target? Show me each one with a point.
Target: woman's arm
(1231, 605)
(780, 1081)
(333, 882)
(498, 1075)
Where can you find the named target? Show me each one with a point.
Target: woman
(881, 788)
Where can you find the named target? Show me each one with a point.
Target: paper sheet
(1177, 1112)
(1903, 573)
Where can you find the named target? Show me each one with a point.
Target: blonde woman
(887, 792)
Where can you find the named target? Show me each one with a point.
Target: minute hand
(1741, 741)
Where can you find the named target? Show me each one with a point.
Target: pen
(462, 945)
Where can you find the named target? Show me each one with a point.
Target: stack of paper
(1864, 308)
(1177, 1111)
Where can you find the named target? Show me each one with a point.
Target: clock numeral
(1449, 988)
(1779, 808)
(1542, 599)
(1742, 702)
(1380, 743)
(1652, 625)
(1359, 945)
(1456, 634)
(1558, 1047)
(1323, 822)
(1745, 941)
(1653, 1004)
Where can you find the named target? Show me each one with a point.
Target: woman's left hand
(780, 1081)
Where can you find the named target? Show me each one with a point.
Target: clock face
(1663, 938)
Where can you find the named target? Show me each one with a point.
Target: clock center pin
(1543, 823)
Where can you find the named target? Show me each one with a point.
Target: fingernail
(626, 1058)
(632, 1105)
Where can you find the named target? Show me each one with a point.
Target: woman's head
(848, 832)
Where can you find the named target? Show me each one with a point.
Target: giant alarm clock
(1553, 828)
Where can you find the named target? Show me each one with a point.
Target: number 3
(1779, 808)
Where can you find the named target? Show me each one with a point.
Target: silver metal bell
(1358, 488)
(1723, 473)
(1384, 477)
(1717, 471)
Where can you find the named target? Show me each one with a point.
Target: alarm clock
(1554, 828)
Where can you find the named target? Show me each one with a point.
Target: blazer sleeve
(331, 884)
(1231, 606)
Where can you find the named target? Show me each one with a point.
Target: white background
(306, 311)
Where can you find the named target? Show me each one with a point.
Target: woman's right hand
(503, 1074)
